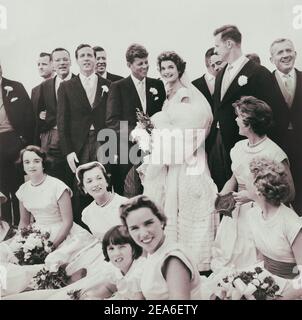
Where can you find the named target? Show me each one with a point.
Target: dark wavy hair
(118, 235)
(270, 179)
(174, 57)
(138, 202)
(258, 114)
(40, 152)
(136, 51)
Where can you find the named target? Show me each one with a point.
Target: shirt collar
(104, 75)
(68, 77)
(136, 81)
(292, 74)
(92, 77)
(237, 63)
(209, 77)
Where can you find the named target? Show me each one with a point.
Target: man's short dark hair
(58, 49)
(81, 46)
(209, 53)
(98, 49)
(136, 51)
(229, 32)
(45, 54)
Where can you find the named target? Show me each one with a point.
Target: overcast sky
(185, 26)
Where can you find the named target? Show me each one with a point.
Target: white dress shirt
(141, 90)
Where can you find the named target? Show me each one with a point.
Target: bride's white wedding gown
(181, 184)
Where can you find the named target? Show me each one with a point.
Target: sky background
(185, 26)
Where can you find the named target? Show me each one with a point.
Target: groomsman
(16, 131)
(216, 63)
(125, 96)
(81, 115)
(240, 77)
(288, 90)
(47, 113)
(206, 83)
(46, 71)
(101, 65)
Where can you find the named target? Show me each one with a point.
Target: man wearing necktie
(46, 114)
(81, 115)
(288, 90)
(240, 77)
(134, 92)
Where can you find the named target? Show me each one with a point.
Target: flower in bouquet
(248, 285)
(75, 294)
(142, 132)
(31, 246)
(48, 279)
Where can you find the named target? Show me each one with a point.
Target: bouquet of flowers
(248, 285)
(50, 279)
(225, 204)
(142, 132)
(75, 294)
(31, 246)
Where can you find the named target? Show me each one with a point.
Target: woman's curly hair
(270, 179)
(174, 57)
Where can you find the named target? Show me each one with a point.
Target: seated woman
(234, 246)
(47, 200)
(276, 228)
(101, 215)
(122, 281)
(168, 271)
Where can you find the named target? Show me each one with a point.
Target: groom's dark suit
(260, 85)
(19, 112)
(122, 103)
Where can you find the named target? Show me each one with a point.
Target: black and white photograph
(151, 150)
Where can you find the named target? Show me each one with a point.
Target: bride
(175, 175)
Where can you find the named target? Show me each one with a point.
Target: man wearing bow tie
(240, 77)
(16, 131)
(126, 95)
(81, 112)
(288, 89)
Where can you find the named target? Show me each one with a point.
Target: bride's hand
(241, 197)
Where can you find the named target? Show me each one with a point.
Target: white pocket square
(14, 99)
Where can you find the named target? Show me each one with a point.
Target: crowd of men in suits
(66, 112)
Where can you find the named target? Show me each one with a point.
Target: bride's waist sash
(280, 268)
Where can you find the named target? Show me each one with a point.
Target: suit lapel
(81, 93)
(247, 70)
(4, 94)
(100, 92)
(206, 88)
(149, 96)
(133, 95)
(297, 91)
(218, 84)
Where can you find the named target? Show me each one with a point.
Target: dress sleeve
(60, 188)
(20, 192)
(292, 225)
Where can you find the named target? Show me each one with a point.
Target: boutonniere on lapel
(8, 89)
(154, 93)
(104, 89)
(242, 81)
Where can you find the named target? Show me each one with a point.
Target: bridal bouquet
(248, 285)
(31, 246)
(50, 279)
(142, 132)
(225, 204)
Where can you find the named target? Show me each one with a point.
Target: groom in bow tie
(126, 95)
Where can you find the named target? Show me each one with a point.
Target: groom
(125, 96)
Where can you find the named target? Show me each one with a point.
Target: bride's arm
(66, 211)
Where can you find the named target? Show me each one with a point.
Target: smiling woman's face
(145, 229)
(32, 164)
(94, 182)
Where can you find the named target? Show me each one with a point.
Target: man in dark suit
(46, 71)
(47, 114)
(240, 77)
(16, 131)
(81, 114)
(101, 65)
(288, 110)
(126, 95)
(206, 83)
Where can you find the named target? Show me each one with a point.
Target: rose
(242, 80)
(225, 204)
(8, 89)
(105, 89)
(153, 91)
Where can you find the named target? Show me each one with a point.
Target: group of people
(156, 244)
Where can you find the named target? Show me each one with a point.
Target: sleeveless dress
(180, 182)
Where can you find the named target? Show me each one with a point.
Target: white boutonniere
(14, 99)
(8, 89)
(105, 89)
(242, 81)
(153, 91)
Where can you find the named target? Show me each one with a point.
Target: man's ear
(229, 43)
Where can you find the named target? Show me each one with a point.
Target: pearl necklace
(37, 184)
(106, 202)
